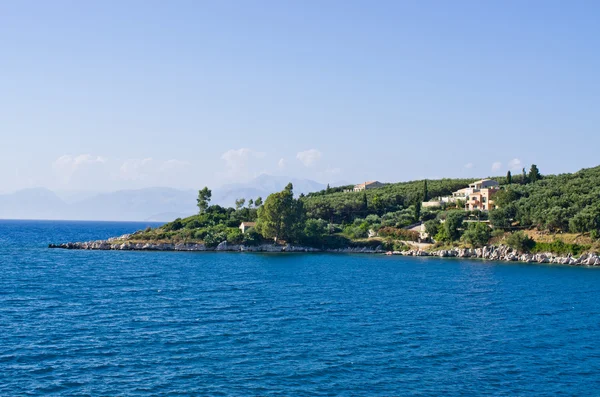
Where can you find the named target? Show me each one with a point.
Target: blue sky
(109, 95)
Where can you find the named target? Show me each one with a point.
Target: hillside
(335, 217)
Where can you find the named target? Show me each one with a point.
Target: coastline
(491, 252)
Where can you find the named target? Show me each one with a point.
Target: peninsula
(528, 217)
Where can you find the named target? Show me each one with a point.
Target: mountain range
(149, 204)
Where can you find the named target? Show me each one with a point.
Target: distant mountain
(262, 186)
(36, 203)
(150, 204)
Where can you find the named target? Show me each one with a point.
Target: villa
(478, 196)
(367, 186)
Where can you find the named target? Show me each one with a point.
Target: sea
(111, 323)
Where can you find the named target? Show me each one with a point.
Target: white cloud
(74, 162)
(281, 163)
(85, 167)
(238, 161)
(135, 169)
(469, 166)
(174, 165)
(515, 164)
(496, 166)
(309, 157)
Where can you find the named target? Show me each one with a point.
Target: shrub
(520, 241)
(252, 237)
(559, 247)
(400, 234)
(477, 234)
(235, 236)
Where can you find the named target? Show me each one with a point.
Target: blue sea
(114, 323)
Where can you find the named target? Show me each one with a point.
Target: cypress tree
(508, 177)
(425, 192)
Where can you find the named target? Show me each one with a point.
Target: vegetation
(338, 217)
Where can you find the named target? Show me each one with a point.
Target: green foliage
(314, 231)
(239, 203)
(281, 216)
(509, 178)
(534, 174)
(520, 241)
(258, 202)
(173, 226)
(252, 237)
(343, 207)
(502, 217)
(452, 227)
(477, 234)
(559, 247)
(399, 234)
(235, 236)
(425, 192)
(203, 199)
(432, 227)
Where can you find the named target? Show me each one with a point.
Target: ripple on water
(137, 323)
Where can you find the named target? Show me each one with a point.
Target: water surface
(175, 323)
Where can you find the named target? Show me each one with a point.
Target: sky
(108, 95)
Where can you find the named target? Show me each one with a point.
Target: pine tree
(534, 173)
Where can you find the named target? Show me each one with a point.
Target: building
(367, 185)
(246, 225)
(483, 184)
(480, 195)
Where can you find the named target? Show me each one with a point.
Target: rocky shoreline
(117, 244)
(507, 254)
(493, 253)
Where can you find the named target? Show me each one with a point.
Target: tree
(365, 203)
(239, 203)
(425, 192)
(417, 213)
(454, 223)
(328, 188)
(281, 216)
(524, 176)
(534, 173)
(203, 199)
(258, 202)
(520, 242)
(477, 234)
(432, 227)
(508, 178)
(250, 203)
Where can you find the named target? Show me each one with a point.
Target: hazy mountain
(156, 204)
(36, 203)
(262, 186)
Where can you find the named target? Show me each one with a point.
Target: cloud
(238, 161)
(469, 166)
(174, 165)
(496, 166)
(515, 164)
(135, 169)
(309, 157)
(83, 166)
(74, 162)
(281, 163)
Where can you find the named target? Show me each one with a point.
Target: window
(483, 199)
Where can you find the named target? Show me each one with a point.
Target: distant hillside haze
(149, 204)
